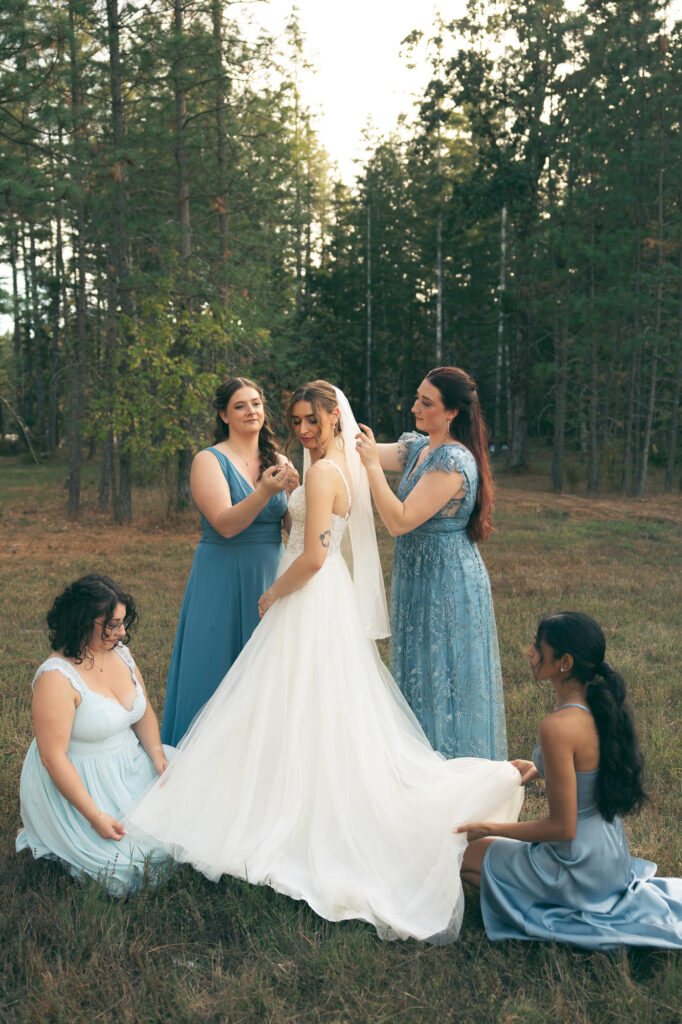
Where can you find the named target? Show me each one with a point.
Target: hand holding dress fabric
(569, 876)
(97, 746)
(307, 771)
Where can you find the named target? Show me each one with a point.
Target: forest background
(168, 215)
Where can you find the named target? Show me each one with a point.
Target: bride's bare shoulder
(323, 474)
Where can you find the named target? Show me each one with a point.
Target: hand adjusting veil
(368, 577)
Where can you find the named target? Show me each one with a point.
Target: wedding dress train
(308, 771)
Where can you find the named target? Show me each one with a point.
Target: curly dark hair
(620, 786)
(267, 443)
(458, 391)
(71, 619)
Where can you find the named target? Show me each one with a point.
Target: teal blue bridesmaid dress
(220, 607)
(444, 652)
(588, 891)
(116, 772)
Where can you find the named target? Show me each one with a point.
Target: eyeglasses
(113, 625)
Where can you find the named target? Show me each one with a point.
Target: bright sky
(360, 77)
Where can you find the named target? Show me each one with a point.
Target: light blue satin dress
(444, 651)
(586, 891)
(115, 770)
(220, 607)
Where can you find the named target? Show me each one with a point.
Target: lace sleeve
(405, 442)
(125, 655)
(452, 458)
(66, 669)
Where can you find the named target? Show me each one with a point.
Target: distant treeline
(167, 215)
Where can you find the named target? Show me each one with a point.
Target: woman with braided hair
(444, 652)
(238, 485)
(569, 876)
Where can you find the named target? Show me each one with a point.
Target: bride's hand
(366, 446)
(266, 601)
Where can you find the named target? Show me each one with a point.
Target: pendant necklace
(247, 462)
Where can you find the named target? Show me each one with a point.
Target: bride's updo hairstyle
(621, 765)
(458, 392)
(267, 444)
(321, 395)
(71, 619)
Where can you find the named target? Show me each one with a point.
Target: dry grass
(198, 952)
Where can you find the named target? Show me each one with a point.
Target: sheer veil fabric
(368, 577)
(307, 770)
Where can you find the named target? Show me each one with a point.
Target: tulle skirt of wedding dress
(308, 772)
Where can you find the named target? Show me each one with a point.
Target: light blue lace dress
(444, 652)
(115, 770)
(588, 891)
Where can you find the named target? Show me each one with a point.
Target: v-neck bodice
(98, 719)
(266, 527)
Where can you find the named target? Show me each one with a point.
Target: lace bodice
(297, 511)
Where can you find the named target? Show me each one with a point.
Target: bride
(307, 770)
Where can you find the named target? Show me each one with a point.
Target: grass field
(194, 951)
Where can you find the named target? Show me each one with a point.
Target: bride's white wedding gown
(307, 771)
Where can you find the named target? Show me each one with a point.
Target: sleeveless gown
(308, 772)
(115, 770)
(588, 891)
(444, 651)
(220, 607)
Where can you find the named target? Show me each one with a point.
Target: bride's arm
(320, 489)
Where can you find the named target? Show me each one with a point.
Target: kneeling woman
(569, 877)
(97, 745)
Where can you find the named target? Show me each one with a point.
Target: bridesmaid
(97, 747)
(569, 876)
(238, 485)
(444, 652)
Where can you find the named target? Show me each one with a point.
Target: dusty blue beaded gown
(444, 652)
(220, 607)
(115, 770)
(588, 891)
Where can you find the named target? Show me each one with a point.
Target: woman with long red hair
(444, 652)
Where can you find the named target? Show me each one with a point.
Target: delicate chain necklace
(247, 462)
(95, 665)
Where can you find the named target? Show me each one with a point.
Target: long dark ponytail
(621, 765)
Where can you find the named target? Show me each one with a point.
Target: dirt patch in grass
(662, 508)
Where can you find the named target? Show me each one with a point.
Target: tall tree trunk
(651, 406)
(221, 148)
(119, 292)
(499, 362)
(593, 441)
(184, 456)
(560, 391)
(55, 296)
(368, 344)
(76, 375)
(17, 334)
(36, 332)
(519, 358)
(677, 382)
